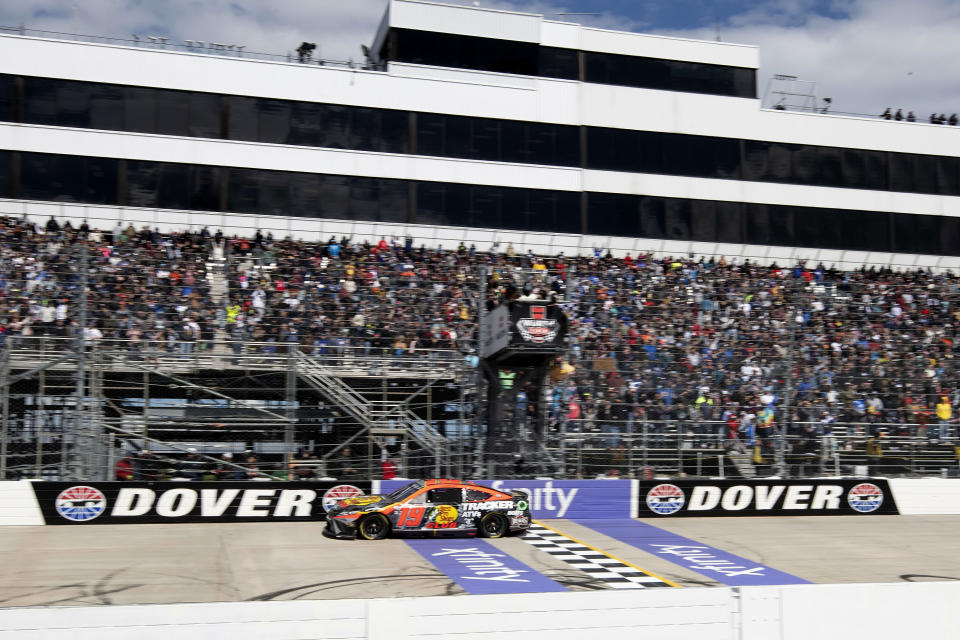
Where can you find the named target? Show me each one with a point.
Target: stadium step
(365, 412)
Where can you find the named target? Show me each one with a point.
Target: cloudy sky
(864, 54)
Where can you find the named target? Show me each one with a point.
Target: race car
(435, 507)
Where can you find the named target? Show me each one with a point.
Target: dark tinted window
(476, 495)
(444, 496)
(758, 224)
(304, 195)
(864, 230)
(441, 204)
(205, 188)
(6, 97)
(917, 234)
(243, 193)
(242, 118)
(204, 115)
(949, 235)
(498, 140)
(334, 197)
(142, 179)
(812, 227)
(68, 178)
(107, 108)
(729, 222)
(677, 219)
(364, 199)
(853, 168)
(465, 52)
(73, 104)
(830, 169)
(335, 124)
(172, 112)
(5, 158)
(101, 181)
(394, 200)
(611, 214)
(173, 188)
(559, 63)
(876, 169)
(947, 176)
(140, 109)
(39, 101)
(274, 196)
(669, 75)
(305, 124)
(703, 220)
(652, 217)
(902, 168)
(273, 121)
(182, 186)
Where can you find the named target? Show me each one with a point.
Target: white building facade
(472, 125)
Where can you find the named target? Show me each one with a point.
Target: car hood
(360, 503)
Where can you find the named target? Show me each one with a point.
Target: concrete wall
(797, 612)
(925, 496)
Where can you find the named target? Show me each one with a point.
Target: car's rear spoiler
(523, 494)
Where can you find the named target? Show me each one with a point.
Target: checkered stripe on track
(613, 573)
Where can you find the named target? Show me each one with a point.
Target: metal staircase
(375, 417)
(217, 278)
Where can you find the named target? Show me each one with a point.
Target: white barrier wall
(18, 504)
(926, 496)
(555, 499)
(796, 612)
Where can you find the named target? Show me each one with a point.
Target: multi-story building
(469, 124)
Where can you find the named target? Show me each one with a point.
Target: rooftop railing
(200, 47)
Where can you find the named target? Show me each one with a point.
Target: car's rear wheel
(492, 525)
(373, 527)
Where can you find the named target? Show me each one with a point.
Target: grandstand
(680, 365)
(286, 261)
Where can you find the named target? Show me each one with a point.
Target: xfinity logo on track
(701, 559)
(765, 497)
(483, 565)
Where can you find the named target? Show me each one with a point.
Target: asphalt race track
(140, 564)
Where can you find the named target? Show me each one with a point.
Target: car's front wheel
(373, 527)
(492, 525)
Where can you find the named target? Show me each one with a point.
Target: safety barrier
(876, 611)
(27, 502)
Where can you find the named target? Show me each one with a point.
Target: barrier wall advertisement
(32, 503)
(561, 498)
(66, 503)
(700, 498)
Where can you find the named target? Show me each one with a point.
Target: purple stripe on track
(711, 562)
(479, 567)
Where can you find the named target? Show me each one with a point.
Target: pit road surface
(156, 564)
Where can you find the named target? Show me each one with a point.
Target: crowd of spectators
(714, 348)
(145, 288)
(888, 114)
(708, 346)
(337, 296)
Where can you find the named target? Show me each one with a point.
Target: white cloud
(881, 53)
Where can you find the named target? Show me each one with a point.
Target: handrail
(196, 47)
